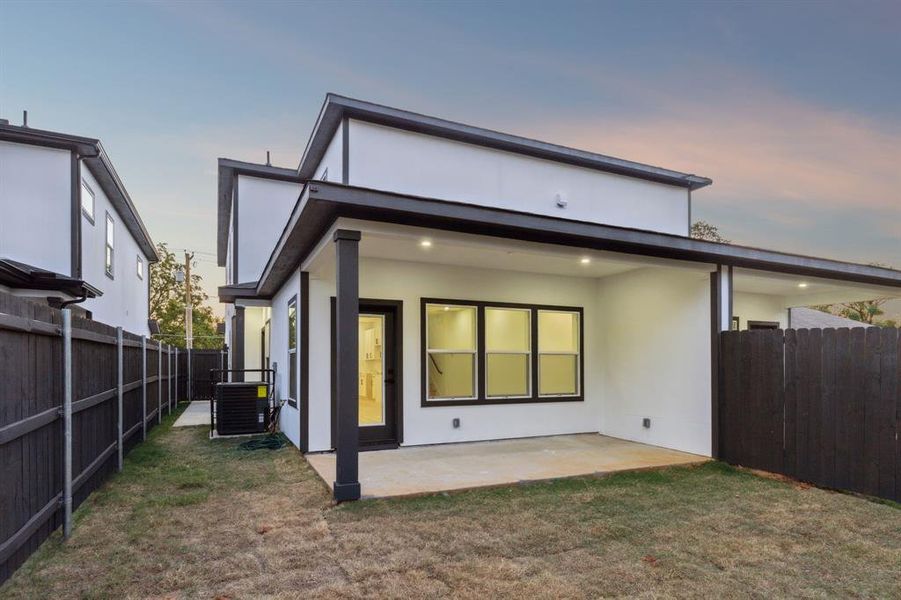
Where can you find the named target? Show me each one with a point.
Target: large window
(493, 352)
(110, 245)
(87, 201)
(451, 341)
(292, 348)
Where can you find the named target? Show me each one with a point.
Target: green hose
(273, 441)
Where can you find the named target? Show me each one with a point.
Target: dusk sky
(794, 110)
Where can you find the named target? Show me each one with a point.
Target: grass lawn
(190, 518)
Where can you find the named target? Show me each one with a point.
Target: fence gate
(201, 361)
(819, 405)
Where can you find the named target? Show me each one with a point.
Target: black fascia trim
(235, 216)
(322, 203)
(482, 374)
(345, 151)
(336, 108)
(229, 169)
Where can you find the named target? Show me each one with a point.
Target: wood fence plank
(855, 399)
(790, 435)
(843, 389)
(873, 397)
(827, 410)
(887, 421)
(814, 377)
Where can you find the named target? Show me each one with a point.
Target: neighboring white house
(506, 288)
(69, 232)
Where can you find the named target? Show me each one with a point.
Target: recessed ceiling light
(802, 285)
(585, 260)
(426, 243)
(447, 308)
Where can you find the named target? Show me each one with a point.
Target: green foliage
(167, 304)
(702, 230)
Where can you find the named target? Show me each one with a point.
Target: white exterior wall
(332, 164)
(125, 300)
(35, 206)
(409, 282)
(654, 358)
(391, 159)
(264, 206)
(278, 353)
(759, 307)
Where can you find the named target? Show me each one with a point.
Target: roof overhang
(228, 172)
(242, 291)
(14, 274)
(98, 162)
(338, 107)
(322, 203)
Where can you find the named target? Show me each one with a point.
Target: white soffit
(806, 290)
(405, 243)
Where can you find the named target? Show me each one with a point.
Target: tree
(702, 230)
(864, 311)
(167, 304)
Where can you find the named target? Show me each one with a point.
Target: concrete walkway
(425, 469)
(197, 413)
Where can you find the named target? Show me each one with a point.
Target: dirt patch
(190, 518)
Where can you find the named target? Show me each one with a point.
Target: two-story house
(420, 281)
(69, 232)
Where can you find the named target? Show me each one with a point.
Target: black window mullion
(533, 340)
(482, 373)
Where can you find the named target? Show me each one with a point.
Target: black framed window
(477, 352)
(109, 255)
(292, 348)
(87, 201)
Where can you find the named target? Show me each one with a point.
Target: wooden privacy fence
(75, 396)
(194, 372)
(819, 405)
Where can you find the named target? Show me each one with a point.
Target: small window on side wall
(292, 348)
(110, 246)
(87, 202)
(140, 267)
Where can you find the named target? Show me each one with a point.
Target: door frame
(376, 303)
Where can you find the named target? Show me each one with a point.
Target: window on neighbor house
(508, 352)
(110, 245)
(140, 266)
(451, 341)
(87, 201)
(485, 352)
(559, 349)
(292, 348)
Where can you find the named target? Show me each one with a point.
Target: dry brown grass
(193, 519)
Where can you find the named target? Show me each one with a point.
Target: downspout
(78, 300)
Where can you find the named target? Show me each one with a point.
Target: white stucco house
(69, 232)
(420, 281)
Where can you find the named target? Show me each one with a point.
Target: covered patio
(446, 467)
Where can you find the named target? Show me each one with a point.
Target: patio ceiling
(417, 244)
(798, 290)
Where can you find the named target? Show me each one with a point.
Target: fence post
(143, 387)
(119, 358)
(159, 382)
(169, 377)
(176, 376)
(190, 377)
(67, 422)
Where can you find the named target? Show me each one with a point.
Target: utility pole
(189, 305)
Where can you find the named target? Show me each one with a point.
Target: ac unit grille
(239, 409)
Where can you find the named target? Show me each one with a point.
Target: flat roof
(322, 203)
(100, 165)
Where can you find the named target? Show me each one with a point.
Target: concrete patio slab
(428, 469)
(197, 413)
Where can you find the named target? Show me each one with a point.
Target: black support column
(347, 312)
